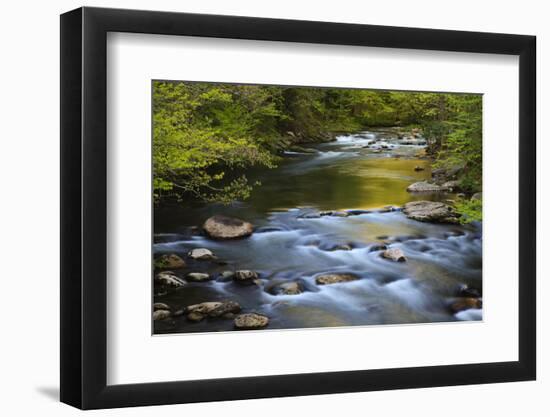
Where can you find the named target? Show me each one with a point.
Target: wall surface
(29, 218)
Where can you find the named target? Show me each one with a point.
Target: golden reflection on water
(385, 180)
(353, 183)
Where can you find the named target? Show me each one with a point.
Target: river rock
(204, 308)
(245, 276)
(441, 175)
(286, 288)
(201, 254)
(424, 187)
(477, 196)
(222, 227)
(430, 211)
(394, 254)
(169, 261)
(227, 307)
(168, 279)
(213, 309)
(251, 321)
(453, 185)
(291, 288)
(335, 278)
(160, 306)
(161, 315)
(197, 277)
(465, 303)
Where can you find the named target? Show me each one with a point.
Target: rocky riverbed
(333, 237)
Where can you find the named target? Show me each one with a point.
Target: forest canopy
(206, 135)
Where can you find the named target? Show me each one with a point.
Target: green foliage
(471, 210)
(200, 139)
(206, 135)
(462, 145)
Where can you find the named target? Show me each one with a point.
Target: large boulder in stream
(250, 321)
(335, 278)
(431, 211)
(223, 227)
(424, 187)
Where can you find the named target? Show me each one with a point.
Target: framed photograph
(258, 208)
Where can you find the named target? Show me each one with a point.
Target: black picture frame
(84, 207)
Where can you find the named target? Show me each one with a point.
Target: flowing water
(363, 172)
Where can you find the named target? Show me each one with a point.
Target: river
(363, 171)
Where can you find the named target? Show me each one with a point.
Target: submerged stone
(335, 278)
(286, 288)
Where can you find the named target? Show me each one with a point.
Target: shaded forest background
(206, 135)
